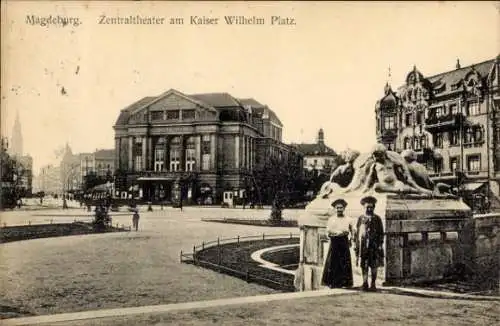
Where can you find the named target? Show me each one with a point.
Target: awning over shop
(473, 186)
(154, 179)
(102, 187)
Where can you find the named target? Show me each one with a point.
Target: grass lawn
(356, 309)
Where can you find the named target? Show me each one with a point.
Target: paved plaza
(78, 273)
(136, 277)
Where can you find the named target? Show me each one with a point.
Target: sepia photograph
(249, 163)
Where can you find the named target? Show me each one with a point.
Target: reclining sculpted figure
(420, 175)
(342, 176)
(390, 173)
(383, 171)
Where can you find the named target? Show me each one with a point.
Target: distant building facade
(201, 147)
(70, 171)
(99, 164)
(49, 179)
(451, 120)
(318, 157)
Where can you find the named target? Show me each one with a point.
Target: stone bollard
(150, 207)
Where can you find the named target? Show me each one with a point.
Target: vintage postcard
(249, 163)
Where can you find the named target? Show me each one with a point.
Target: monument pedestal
(426, 239)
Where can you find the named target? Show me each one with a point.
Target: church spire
(17, 137)
(387, 88)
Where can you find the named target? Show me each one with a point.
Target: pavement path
(121, 312)
(58, 215)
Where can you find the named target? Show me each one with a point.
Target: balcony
(442, 175)
(443, 123)
(476, 174)
(387, 135)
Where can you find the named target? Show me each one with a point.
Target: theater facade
(203, 148)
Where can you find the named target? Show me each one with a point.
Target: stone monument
(427, 230)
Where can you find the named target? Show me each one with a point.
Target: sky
(325, 71)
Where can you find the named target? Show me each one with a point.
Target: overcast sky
(326, 71)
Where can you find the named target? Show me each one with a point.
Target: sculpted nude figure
(390, 174)
(420, 175)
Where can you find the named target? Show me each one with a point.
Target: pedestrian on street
(135, 220)
(369, 242)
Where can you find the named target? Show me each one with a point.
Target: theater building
(452, 121)
(203, 147)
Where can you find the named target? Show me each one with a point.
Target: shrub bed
(235, 259)
(28, 232)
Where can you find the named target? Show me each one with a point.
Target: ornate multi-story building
(452, 121)
(199, 146)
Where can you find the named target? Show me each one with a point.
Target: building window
(453, 164)
(474, 163)
(423, 141)
(454, 109)
(440, 111)
(159, 159)
(188, 114)
(175, 154)
(138, 163)
(138, 154)
(419, 117)
(454, 138)
(438, 140)
(175, 159)
(416, 143)
(173, 115)
(407, 143)
(205, 162)
(190, 154)
(389, 123)
(473, 108)
(190, 159)
(156, 115)
(408, 120)
(473, 135)
(438, 165)
(478, 134)
(468, 136)
(205, 144)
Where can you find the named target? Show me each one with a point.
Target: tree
(279, 175)
(9, 180)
